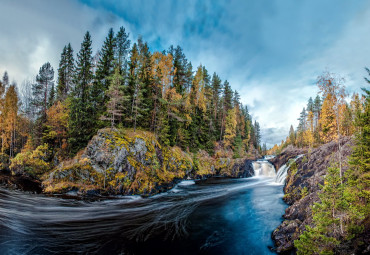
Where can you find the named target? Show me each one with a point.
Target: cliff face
(288, 153)
(124, 162)
(302, 187)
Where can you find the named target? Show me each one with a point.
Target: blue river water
(217, 216)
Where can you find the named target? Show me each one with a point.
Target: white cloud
(35, 32)
(269, 53)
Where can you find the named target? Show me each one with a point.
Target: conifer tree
(226, 105)
(230, 127)
(65, 73)
(115, 94)
(358, 175)
(42, 88)
(105, 69)
(257, 131)
(121, 50)
(41, 92)
(137, 86)
(310, 105)
(327, 230)
(292, 135)
(5, 80)
(81, 125)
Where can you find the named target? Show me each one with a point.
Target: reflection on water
(220, 216)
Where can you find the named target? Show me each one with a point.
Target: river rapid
(216, 216)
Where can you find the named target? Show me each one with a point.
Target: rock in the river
(288, 153)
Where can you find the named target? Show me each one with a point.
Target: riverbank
(123, 162)
(301, 192)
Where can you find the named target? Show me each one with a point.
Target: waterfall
(283, 170)
(263, 168)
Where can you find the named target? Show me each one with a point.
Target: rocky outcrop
(243, 169)
(126, 162)
(288, 153)
(302, 187)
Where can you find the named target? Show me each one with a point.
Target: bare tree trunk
(339, 146)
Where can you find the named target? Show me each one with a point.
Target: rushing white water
(267, 157)
(283, 171)
(263, 168)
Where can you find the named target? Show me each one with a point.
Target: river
(217, 216)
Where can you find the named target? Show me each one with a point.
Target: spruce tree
(121, 50)
(81, 124)
(358, 176)
(65, 73)
(115, 94)
(105, 69)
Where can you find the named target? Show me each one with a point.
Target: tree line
(327, 117)
(123, 86)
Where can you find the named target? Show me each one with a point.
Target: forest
(343, 210)
(52, 117)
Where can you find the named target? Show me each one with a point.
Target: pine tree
(5, 80)
(138, 86)
(226, 105)
(358, 175)
(41, 92)
(114, 105)
(105, 69)
(257, 131)
(81, 125)
(301, 128)
(42, 88)
(121, 50)
(65, 73)
(324, 236)
(292, 135)
(309, 132)
(51, 98)
(180, 66)
(317, 110)
(310, 105)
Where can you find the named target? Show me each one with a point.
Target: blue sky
(271, 51)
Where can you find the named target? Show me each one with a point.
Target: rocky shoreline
(119, 162)
(20, 182)
(301, 191)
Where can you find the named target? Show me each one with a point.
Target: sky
(270, 51)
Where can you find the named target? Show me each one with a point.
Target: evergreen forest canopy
(121, 86)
